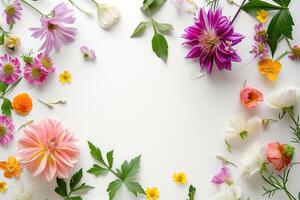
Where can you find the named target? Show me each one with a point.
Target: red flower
(279, 155)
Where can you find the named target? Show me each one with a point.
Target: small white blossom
(108, 15)
(188, 6)
(229, 192)
(284, 98)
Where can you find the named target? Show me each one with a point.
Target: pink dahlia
(12, 12)
(54, 30)
(48, 149)
(34, 73)
(9, 69)
(211, 39)
(46, 62)
(6, 130)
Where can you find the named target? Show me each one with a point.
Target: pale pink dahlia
(6, 130)
(12, 12)
(34, 73)
(48, 149)
(46, 62)
(9, 69)
(211, 39)
(54, 30)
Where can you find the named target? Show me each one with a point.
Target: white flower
(229, 192)
(23, 193)
(108, 15)
(284, 98)
(188, 6)
(241, 126)
(253, 159)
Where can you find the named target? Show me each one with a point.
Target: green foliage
(160, 46)
(139, 30)
(192, 191)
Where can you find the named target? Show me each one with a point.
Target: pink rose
(279, 155)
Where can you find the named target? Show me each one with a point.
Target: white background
(132, 102)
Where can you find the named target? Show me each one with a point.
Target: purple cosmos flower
(46, 62)
(34, 73)
(88, 54)
(6, 130)
(222, 176)
(260, 50)
(211, 39)
(9, 69)
(260, 33)
(295, 53)
(12, 12)
(54, 30)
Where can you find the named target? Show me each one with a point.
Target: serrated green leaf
(164, 27)
(2, 38)
(110, 158)
(283, 3)
(3, 87)
(75, 179)
(253, 5)
(134, 187)
(61, 188)
(6, 107)
(96, 153)
(97, 170)
(139, 30)
(192, 191)
(84, 187)
(160, 46)
(113, 187)
(146, 4)
(131, 168)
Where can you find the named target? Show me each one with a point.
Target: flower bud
(108, 15)
(12, 42)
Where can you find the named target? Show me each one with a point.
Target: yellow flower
(152, 193)
(269, 68)
(65, 77)
(262, 16)
(3, 186)
(180, 178)
(12, 42)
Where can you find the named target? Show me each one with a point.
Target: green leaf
(160, 46)
(135, 188)
(110, 158)
(83, 186)
(6, 107)
(130, 168)
(146, 4)
(61, 188)
(192, 191)
(113, 187)
(258, 4)
(283, 3)
(74, 198)
(164, 27)
(75, 179)
(139, 30)
(97, 170)
(156, 5)
(96, 153)
(2, 38)
(3, 87)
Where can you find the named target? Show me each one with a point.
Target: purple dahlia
(211, 39)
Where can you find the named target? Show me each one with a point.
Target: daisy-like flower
(284, 98)
(12, 167)
(6, 130)
(108, 15)
(260, 50)
(34, 73)
(65, 77)
(295, 53)
(229, 192)
(188, 6)
(260, 33)
(9, 69)
(152, 193)
(88, 54)
(48, 149)
(241, 127)
(54, 30)
(179, 178)
(3, 186)
(262, 16)
(211, 39)
(12, 12)
(250, 97)
(223, 176)
(46, 62)
(269, 68)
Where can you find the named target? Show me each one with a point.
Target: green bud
(288, 150)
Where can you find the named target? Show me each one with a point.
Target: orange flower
(269, 68)
(11, 167)
(22, 104)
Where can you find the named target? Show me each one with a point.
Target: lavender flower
(88, 54)
(222, 176)
(295, 53)
(260, 50)
(12, 12)
(260, 33)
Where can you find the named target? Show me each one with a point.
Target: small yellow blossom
(180, 178)
(12, 42)
(3, 186)
(65, 77)
(262, 16)
(152, 193)
(269, 68)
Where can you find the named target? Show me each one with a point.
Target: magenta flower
(88, 54)
(295, 53)
(260, 33)
(9, 69)
(260, 50)
(222, 176)
(12, 12)
(34, 73)
(211, 39)
(54, 30)
(6, 130)
(46, 62)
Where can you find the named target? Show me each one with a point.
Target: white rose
(108, 15)
(229, 192)
(285, 97)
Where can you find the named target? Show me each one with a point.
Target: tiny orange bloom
(269, 68)
(11, 167)
(262, 16)
(22, 104)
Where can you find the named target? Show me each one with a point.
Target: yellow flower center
(46, 62)
(209, 41)
(2, 130)
(10, 10)
(36, 73)
(8, 69)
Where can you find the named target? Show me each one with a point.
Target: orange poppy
(22, 104)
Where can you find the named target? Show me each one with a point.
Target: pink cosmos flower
(279, 155)
(260, 50)
(222, 176)
(48, 149)
(34, 73)
(54, 30)
(88, 54)
(260, 33)
(12, 12)
(6, 130)
(46, 62)
(250, 97)
(295, 53)
(9, 69)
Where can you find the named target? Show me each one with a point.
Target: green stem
(288, 41)
(282, 55)
(95, 2)
(292, 116)
(239, 10)
(80, 9)
(152, 21)
(34, 8)
(11, 88)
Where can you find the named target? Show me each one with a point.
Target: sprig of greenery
(192, 192)
(281, 24)
(213, 4)
(124, 174)
(74, 187)
(290, 111)
(159, 42)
